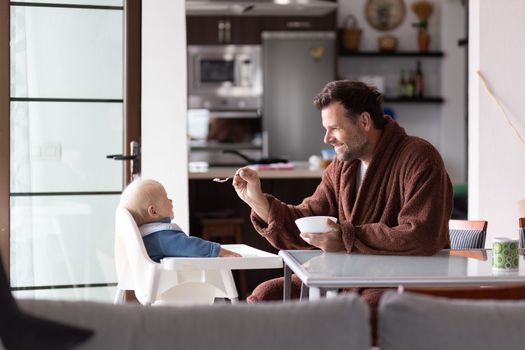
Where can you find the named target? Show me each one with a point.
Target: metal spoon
(218, 179)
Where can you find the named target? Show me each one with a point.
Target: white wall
(453, 123)
(442, 125)
(164, 146)
(496, 155)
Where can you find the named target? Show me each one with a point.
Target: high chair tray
(251, 259)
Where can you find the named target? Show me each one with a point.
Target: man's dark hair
(356, 97)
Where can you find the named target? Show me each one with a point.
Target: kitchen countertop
(299, 171)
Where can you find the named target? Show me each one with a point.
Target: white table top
(251, 259)
(448, 267)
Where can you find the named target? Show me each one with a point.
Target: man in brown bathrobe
(390, 191)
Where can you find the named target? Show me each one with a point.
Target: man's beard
(354, 151)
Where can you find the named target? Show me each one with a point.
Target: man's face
(163, 206)
(348, 138)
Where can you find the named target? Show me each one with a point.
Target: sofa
(339, 323)
(414, 321)
(406, 321)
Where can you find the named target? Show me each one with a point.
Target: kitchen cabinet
(246, 30)
(223, 30)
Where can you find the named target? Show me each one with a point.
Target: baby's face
(164, 206)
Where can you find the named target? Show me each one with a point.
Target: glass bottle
(402, 92)
(419, 82)
(410, 84)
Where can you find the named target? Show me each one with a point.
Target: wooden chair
(226, 230)
(229, 228)
(522, 232)
(467, 234)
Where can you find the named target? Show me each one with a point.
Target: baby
(152, 210)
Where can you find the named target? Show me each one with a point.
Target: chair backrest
(522, 232)
(135, 270)
(467, 234)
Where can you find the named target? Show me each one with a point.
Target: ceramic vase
(423, 40)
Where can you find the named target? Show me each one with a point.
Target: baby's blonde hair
(138, 196)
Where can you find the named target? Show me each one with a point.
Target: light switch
(47, 151)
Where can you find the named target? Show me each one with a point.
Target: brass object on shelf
(387, 43)
(351, 34)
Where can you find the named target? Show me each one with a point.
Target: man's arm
(280, 229)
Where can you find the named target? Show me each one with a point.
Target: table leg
(315, 293)
(287, 288)
(120, 296)
(304, 292)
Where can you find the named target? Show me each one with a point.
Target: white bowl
(314, 224)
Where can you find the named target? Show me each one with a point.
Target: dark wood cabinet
(327, 22)
(223, 30)
(246, 30)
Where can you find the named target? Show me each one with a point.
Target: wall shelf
(392, 99)
(346, 53)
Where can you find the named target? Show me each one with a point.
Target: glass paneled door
(67, 96)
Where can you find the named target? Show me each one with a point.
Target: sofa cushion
(412, 321)
(339, 323)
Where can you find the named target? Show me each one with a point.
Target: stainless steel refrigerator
(296, 66)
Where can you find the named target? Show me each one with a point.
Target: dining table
(326, 273)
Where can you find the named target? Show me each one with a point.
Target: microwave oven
(224, 77)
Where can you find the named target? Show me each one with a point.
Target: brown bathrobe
(402, 207)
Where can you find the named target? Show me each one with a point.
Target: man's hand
(248, 187)
(330, 241)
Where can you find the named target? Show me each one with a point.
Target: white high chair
(184, 283)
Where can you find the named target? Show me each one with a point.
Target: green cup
(505, 254)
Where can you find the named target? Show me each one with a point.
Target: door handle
(135, 167)
(120, 157)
